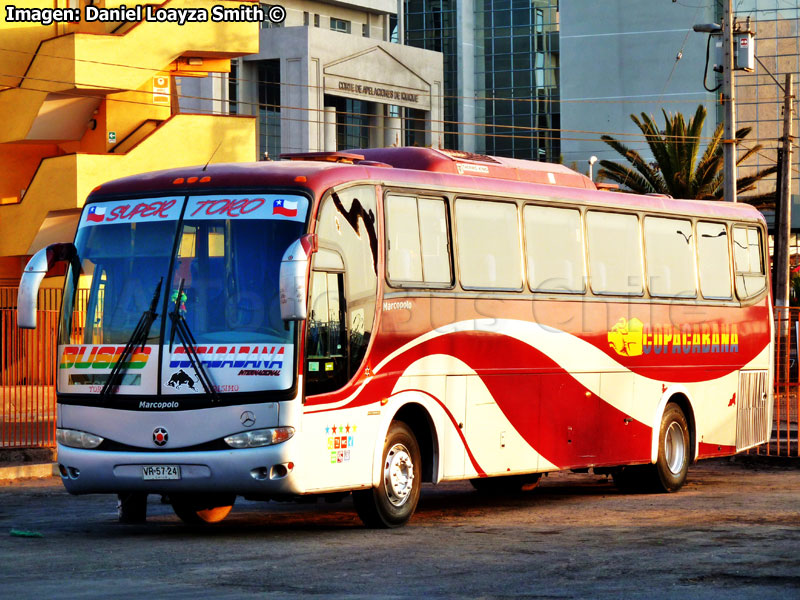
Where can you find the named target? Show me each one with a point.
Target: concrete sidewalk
(20, 463)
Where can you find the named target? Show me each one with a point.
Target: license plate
(161, 472)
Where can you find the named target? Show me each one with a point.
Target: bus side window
(489, 254)
(749, 268)
(669, 248)
(347, 230)
(615, 253)
(554, 248)
(325, 332)
(417, 241)
(713, 257)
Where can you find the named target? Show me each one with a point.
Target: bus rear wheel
(668, 474)
(673, 451)
(392, 502)
(199, 510)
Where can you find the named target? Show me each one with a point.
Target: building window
(233, 88)
(365, 30)
(266, 23)
(316, 20)
(306, 17)
(340, 25)
(269, 108)
(352, 122)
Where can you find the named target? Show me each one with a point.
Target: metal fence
(787, 371)
(28, 375)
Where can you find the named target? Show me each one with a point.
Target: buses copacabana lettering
(319, 327)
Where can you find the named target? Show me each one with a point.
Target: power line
(657, 100)
(114, 90)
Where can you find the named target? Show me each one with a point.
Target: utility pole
(729, 101)
(784, 230)
(728, 96)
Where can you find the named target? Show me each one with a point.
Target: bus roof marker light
(300, 179)
(192, 180)
(205, 179)
(178, 181)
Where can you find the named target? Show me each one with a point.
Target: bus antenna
(212, 155)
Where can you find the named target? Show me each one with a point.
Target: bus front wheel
(392, 502)
(200, 511)
(132, 507)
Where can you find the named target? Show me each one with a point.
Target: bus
(362, 322)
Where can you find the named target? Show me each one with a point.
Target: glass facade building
(519, 77)
(514, 82)
(431, 24)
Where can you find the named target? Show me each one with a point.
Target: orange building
(84, 102)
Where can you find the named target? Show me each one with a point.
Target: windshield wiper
(140, 333)
(188, 342)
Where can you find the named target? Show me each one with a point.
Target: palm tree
(676, 171)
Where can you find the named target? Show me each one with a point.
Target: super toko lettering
(158, 208)
(228, 207)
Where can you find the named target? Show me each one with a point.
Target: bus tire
(201, 511)
(506, 484)
(668, 474)
(392, 502)
(132, 507)
(672, 465)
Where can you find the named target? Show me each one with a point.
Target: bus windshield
(212, 262)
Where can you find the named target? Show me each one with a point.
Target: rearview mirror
(293, 278)
(37, 267)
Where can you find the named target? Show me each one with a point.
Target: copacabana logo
(101, 357)
(626, 337)
(633, 338)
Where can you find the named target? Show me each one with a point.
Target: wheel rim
(398, 475)
(674, 448)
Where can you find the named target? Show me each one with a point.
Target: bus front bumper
(258, 471)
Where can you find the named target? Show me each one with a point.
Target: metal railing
(786, 386)
(28, 373)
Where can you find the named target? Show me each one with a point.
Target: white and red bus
(364, 322)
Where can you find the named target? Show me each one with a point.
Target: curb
(28, 471)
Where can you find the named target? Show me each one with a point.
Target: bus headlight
(259, 437)
(78, 439)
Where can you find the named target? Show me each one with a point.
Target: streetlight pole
(591, 161)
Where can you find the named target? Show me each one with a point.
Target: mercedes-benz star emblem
(160, 436)
(247, 418)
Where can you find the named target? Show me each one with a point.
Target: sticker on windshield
(228, 367)
(287, 207)
(86, 368)
(133, 211)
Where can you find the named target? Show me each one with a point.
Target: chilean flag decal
(96, 214)
(286, 208)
